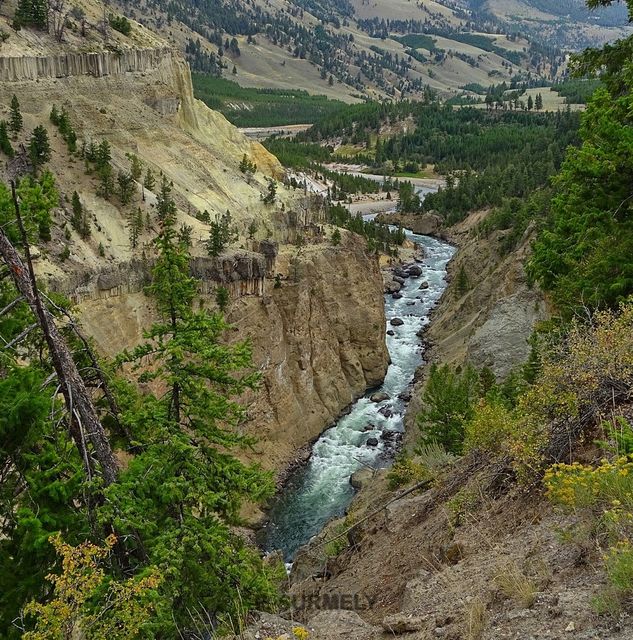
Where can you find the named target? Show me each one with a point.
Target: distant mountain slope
(349, 49)
(566, 23)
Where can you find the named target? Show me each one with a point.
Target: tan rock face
(319, 341)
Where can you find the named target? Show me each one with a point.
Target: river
(321, 489)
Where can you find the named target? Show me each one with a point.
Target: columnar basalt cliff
(94, 63)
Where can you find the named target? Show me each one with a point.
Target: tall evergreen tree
(15, 116)
(5, 143)
(192, 485)
(39, 147)
(539, 102)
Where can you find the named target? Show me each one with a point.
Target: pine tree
(149, 182)
(54, 117)
(530, 103)
(336, 237)
(125, 183)
(78, 212)
(136, 166)
(39, 147)
(192, 485)
(15, 116)
(135, 226)
(31, 13)
(106, 181)
(222, 298)
(462, 281)
(102, 155)
(220, 234)
(539, 102)
(271, 192)
(5, 143)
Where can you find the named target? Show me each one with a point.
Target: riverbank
(368, 435)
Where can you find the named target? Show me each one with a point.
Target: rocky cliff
(97, 64)
(489, 311)
(318, 339)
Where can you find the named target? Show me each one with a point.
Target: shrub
(433, 456)
(619, 568)
(465, 501)
(606, 493)
(405, 471)
(120, 24)
(490, 428)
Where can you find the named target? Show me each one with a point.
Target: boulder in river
(424, 285)
(360, 478)
(405, 396)
(415, 271)
(391, 332)
(400, 273)
(396, 296)
(393, 287)
(391, 436)
(379, 396)
(398, 279)
(386, 411)
(396, 322)
(372, 442)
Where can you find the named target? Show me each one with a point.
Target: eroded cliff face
(485, 320)
(318, 339)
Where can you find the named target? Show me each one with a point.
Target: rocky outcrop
(97, 64)
(501, 342)
(242, 273)
(489, 311)
(426, 224)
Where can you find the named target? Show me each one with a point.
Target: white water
(321, 489)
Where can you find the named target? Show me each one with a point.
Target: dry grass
(514, 584)
(476, 619)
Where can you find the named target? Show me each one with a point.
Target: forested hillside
(334, 48)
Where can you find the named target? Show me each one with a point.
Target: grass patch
(476, 619)
(514, 584)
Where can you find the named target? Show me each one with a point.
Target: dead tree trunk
(83, 419)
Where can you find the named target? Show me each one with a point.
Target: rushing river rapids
(366, 436)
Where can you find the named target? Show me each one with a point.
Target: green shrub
(120, 24)
(405, 471)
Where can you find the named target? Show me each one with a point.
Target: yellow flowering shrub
(577, 485)
(579, 377)
(607, 490)
(121, 608)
